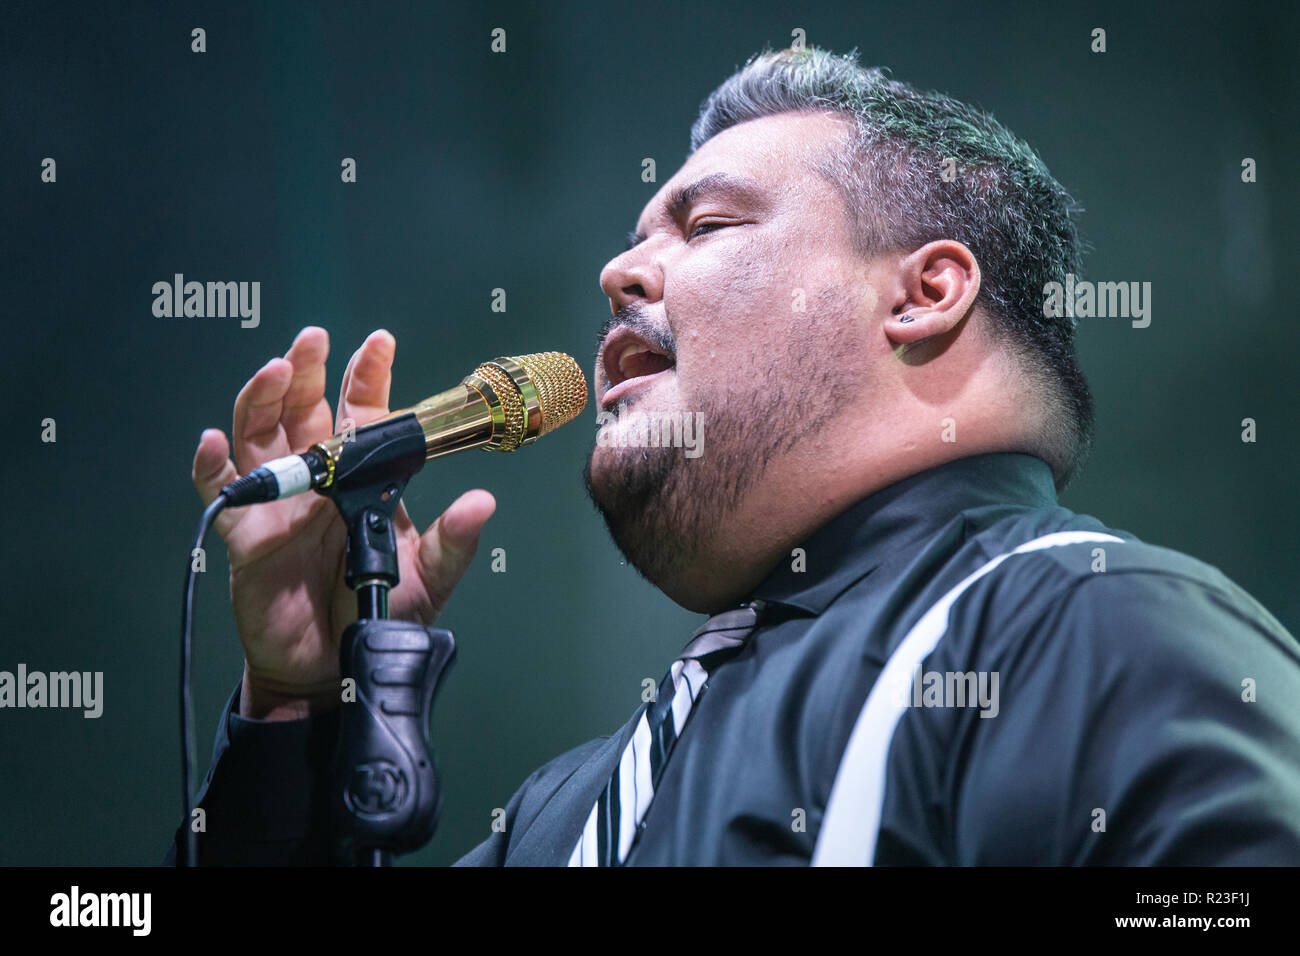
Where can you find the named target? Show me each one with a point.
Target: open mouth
(630, 362)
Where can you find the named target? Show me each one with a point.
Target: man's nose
(631, 277)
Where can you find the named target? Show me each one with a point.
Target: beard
(661, 506)
(665, 511)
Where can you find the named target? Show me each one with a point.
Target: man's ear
(937, 285)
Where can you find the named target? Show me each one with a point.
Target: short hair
(922, 166)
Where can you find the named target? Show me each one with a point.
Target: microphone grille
(561, 386)
(538, 394)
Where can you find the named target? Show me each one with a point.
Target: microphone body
(502, 405)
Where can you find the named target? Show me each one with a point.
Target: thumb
(212, 471)
(447, 548)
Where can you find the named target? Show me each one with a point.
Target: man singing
(914, 654)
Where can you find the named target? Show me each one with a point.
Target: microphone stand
(385, 794)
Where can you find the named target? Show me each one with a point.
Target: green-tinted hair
(922, 166)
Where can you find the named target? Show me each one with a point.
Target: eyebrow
(682, 198)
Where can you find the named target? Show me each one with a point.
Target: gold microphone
(502, 405)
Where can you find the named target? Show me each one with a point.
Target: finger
(402, 518)
(306, 415)
(212, 471)
(448, 546)
(363, 396)
(258, 436)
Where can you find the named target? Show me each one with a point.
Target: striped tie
(615, 820)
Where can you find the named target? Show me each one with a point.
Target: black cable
(191, 854)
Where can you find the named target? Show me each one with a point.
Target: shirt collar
(855, 542)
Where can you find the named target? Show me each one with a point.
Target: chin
(664, 510)
(626, 481)
(639, 494)
(604, 472)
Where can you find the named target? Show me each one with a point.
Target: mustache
(636, 319)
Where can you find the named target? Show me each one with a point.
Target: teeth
(628, 352)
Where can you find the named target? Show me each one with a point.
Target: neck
(801, 492)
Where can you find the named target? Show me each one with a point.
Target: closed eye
(706, 227)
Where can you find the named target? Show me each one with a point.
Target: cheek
(729, 307)
(743, 272)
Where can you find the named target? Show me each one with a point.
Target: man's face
(740, 311)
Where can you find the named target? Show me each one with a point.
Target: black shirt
(1098, 702)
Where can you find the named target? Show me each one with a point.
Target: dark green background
(522, 171)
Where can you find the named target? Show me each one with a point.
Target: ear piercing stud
(905, 318)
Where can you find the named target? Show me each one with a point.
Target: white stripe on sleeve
(851, 824)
